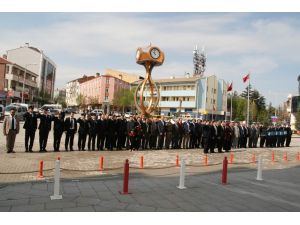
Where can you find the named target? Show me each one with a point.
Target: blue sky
(266, 44)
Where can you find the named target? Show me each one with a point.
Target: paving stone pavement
(23, 166)
(279, 191)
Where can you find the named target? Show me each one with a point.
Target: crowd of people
(110, 132)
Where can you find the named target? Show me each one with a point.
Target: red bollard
(253, 158)
(177, 161)
(231, 157)
(285, 157)
(206, 160)
(41, 169)
(101, 163)
(298, 156)
(273, 156)
(224, 172)
(142, 162)
(125, 178)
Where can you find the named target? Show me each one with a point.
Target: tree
(43, 98)
(93, 101)
(297, 125)
(81, 101)
(124, 98)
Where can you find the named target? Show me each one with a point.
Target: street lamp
(30, 64)
(253, 100)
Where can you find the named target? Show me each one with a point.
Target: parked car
(50, 107)
(21, 109)
(97, 111)
(70, 110)
(2, 112)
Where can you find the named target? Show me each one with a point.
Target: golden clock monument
(147, 95)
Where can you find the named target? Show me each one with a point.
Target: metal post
(248, 107)
(231, 107)
(259, 168)
(182, 175)
(56, 194)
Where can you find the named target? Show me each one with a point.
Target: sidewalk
(278, 192)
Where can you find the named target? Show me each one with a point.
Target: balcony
(175, 104)
(21, 79)
(178, 93)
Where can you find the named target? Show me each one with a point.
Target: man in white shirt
(11, 128)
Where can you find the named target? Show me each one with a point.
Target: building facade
(101, 90)
(73, 90)
(3, 63)
(35, 60)
(202, 97)
(19, 85)
(127, 77)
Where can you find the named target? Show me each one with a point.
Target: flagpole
(231, 106)
(248, 101)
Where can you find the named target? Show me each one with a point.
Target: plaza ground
(85, 188)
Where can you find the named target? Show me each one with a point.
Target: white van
(52, 108)
(20, 108)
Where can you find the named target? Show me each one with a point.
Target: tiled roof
(4, 61)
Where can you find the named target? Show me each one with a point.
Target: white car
(97, 111)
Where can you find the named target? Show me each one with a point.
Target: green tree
(93, 101)
(124, 98)
(81, 101)
(297, 125)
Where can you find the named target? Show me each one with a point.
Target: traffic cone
(231, 157)
(177, 161)
(253, 158)
(285, 157)
(206, 160)
(298, 156)
(273, 156)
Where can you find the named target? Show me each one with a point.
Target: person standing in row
(288, 135)
(92, 131)
(30, 126)
(71, 129)
(11, 127)
(161, 133)
(44, 129)
(58, 130)
(153, 134)
(82, 132)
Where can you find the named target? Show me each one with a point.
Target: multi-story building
(101, 90)
(204, 97)
(127, 77)
(3, 63)
(18, 84)
(73, 90)
(35, 60)
(59, 93)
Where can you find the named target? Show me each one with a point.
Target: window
(106, 90)
(107, 80)
(106, 98)
(7, 69)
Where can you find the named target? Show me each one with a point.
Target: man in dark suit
(71, 129)
(153, 134)
(30, 126)
(92, 131)
(220, 136)
(289, 134)
(58, 130)
(82, 132)
(206, 136)
(161, 133)
(198, 133)
(213, 137)
(44, 129)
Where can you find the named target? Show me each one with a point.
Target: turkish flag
(229, 87)
(247, 77)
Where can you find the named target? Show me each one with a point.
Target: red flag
(247, 77)
(229, 88)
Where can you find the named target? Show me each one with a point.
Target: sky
(265, 44)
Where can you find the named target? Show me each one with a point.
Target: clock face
(137, 54)
(155, 53)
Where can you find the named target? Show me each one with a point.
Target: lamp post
(30, 64)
